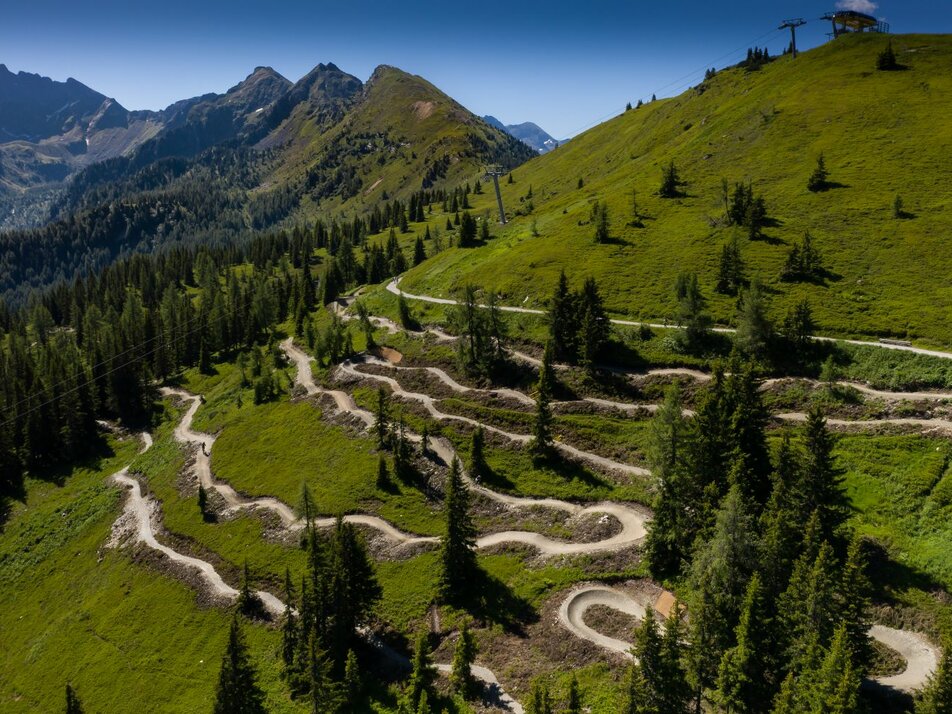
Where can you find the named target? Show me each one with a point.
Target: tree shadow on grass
(566, 468)
(488, 598)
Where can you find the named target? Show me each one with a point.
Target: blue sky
(564, 66)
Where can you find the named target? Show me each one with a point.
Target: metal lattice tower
(793, 25)
(495, 172)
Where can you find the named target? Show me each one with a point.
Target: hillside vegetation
(881, 136)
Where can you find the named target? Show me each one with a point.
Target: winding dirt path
(350, 367)
(140, 509)
(921, 656)
(632, 521)
(394, 287)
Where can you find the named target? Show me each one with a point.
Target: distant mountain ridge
(527, 132)
(98, 181)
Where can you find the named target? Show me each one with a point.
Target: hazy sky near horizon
(563, 66)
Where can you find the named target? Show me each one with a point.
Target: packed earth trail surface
(394, 287)
(920, 655)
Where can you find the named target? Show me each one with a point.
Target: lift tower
(495, 172)
(793, 25)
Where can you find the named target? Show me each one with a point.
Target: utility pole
(495, 172)
(793, 25)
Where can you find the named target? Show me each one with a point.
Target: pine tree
(542, 429)
(423, 673)
(539, 700)
(798, 326)
(457, 556)
(665, 546)
(249, 604)
(808, 607)
(730, 276)
(691, 312)
(366, 326)
(563, 321)
(484, 235)
(821, 488)
(419, 251)
(819, 179)
(754, 330)
(325, 692)
(720, 572)
(670, 182)
(853, 602)
(886, 60)
(595, 328)
(73, 705)
(602, 233)
(352, 682)
(467, 231)
(237, 691)
(742, 681)
(464, 656)
(289, 624)
(936, 697)
(382, 419)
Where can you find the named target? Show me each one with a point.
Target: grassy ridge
(879, 132)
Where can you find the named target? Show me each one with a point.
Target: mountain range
(51, 131)
(527, 132)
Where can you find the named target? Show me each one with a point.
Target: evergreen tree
(819, 179)
(419, 251)
(821, 486)
(73, 705)
(886, 60)
(366, 326)
(382, 419)
(743, 685)
(720, 573)
(563, 321)
(542, 429)
(602, 234)
(936, 697)
(665, 546)
(484, 235)
(798, 326)
(423, 673)
(325, 692)
(457, 556)
(237, 691)
(853, 603)
(539, 700)
(670, 182)
(352, 682)
(289, 624)
(691, 312)
(467, 231)
(407, 321)
(754, 330)
(249, 604)
(464, 656)
(595, 328)
(730, 276)
(808, 607)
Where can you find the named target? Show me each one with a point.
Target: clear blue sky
(563, 67)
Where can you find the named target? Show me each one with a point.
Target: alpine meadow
(343, 395)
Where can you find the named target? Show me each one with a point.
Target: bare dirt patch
(423, 109)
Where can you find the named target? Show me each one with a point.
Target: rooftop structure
(846, 21)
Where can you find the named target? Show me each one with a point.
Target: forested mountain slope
(263, 154)
(883, 268)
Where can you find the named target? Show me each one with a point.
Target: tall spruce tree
(237, 691)
(564, 321)
(743, 685)
(542, 428)
(464, 655)
(457, 555)
(423, 673)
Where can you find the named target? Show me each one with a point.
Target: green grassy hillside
(882, 135)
